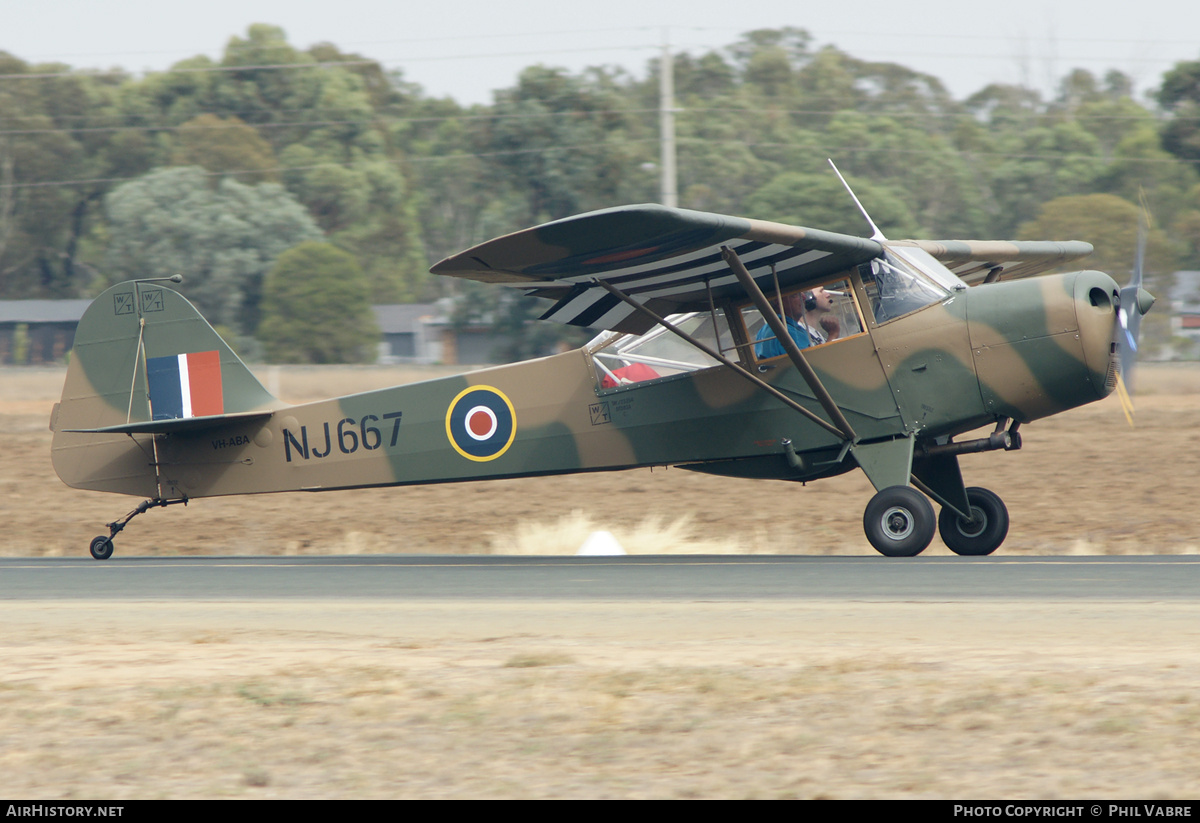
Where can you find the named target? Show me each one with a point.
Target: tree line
(327, 162)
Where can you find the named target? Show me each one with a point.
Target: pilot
(819, 321)
(808, 319)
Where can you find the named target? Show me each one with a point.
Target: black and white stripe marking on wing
(681, 279)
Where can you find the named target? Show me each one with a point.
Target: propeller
(1135, 302)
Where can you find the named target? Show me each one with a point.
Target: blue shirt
(773, 348)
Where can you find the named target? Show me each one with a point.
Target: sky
(466, 49)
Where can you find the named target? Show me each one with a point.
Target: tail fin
(144, 363)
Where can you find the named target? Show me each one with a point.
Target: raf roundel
(481, 423)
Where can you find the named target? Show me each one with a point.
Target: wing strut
(725, 361)
(789, 345)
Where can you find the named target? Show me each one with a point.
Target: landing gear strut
(102, 547)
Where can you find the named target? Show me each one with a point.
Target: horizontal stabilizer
(177, 425)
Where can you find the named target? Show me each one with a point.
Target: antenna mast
(876, 234)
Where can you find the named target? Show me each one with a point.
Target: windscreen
(896, 286)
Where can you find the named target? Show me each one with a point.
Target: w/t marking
(599, 413)
(123, 302)
(152, 300)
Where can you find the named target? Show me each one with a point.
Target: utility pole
(668, 193)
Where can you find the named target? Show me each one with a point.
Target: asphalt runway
(639, 676)
(643, 578)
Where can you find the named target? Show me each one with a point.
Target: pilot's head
(794, 304)
(818, 300)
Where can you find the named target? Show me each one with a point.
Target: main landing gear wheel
(899, 522)
(102, 548)
(981, 535)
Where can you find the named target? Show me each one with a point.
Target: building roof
(398, 318)
(42, 311)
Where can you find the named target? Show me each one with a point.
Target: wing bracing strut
(769, 314)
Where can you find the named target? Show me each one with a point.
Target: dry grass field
(606, 700)
(617, 700)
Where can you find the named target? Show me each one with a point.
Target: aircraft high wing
(668, 260)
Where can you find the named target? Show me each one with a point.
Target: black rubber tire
(102, 547)
(899, 522)
(980, 538)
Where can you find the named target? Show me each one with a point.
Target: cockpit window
(896, 286)
(812, 317)
(622, 359)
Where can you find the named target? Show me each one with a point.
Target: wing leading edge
(669, 260)
(974, 260)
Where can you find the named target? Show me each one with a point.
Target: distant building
(409, 332)
(36, 332)
(1184, 305)
(424, 333)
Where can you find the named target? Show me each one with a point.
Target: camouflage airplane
(731, 346)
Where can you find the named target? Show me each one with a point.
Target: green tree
(1040, 164)
(1004, 106)
(265, 96)
(221, 145)
(1110, 224)
(819, 201)
(223, 239)
(326, 124)
(56, 157)
(455, 209)
(1180, 97)
(707, 76)
(317, 309)
(560, 139)
(789, 43)
(1140, 167)
(931, 178)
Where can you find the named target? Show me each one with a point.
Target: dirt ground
(614, 700)
(1084, 483)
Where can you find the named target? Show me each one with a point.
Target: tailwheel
(102, 548)
(984, 532)
(899, 522)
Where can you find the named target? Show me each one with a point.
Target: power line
(283, 124)
(376, 120)
(417, 159)
(248, 46)
(316, 64)
(684, 141)
(907, 53)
